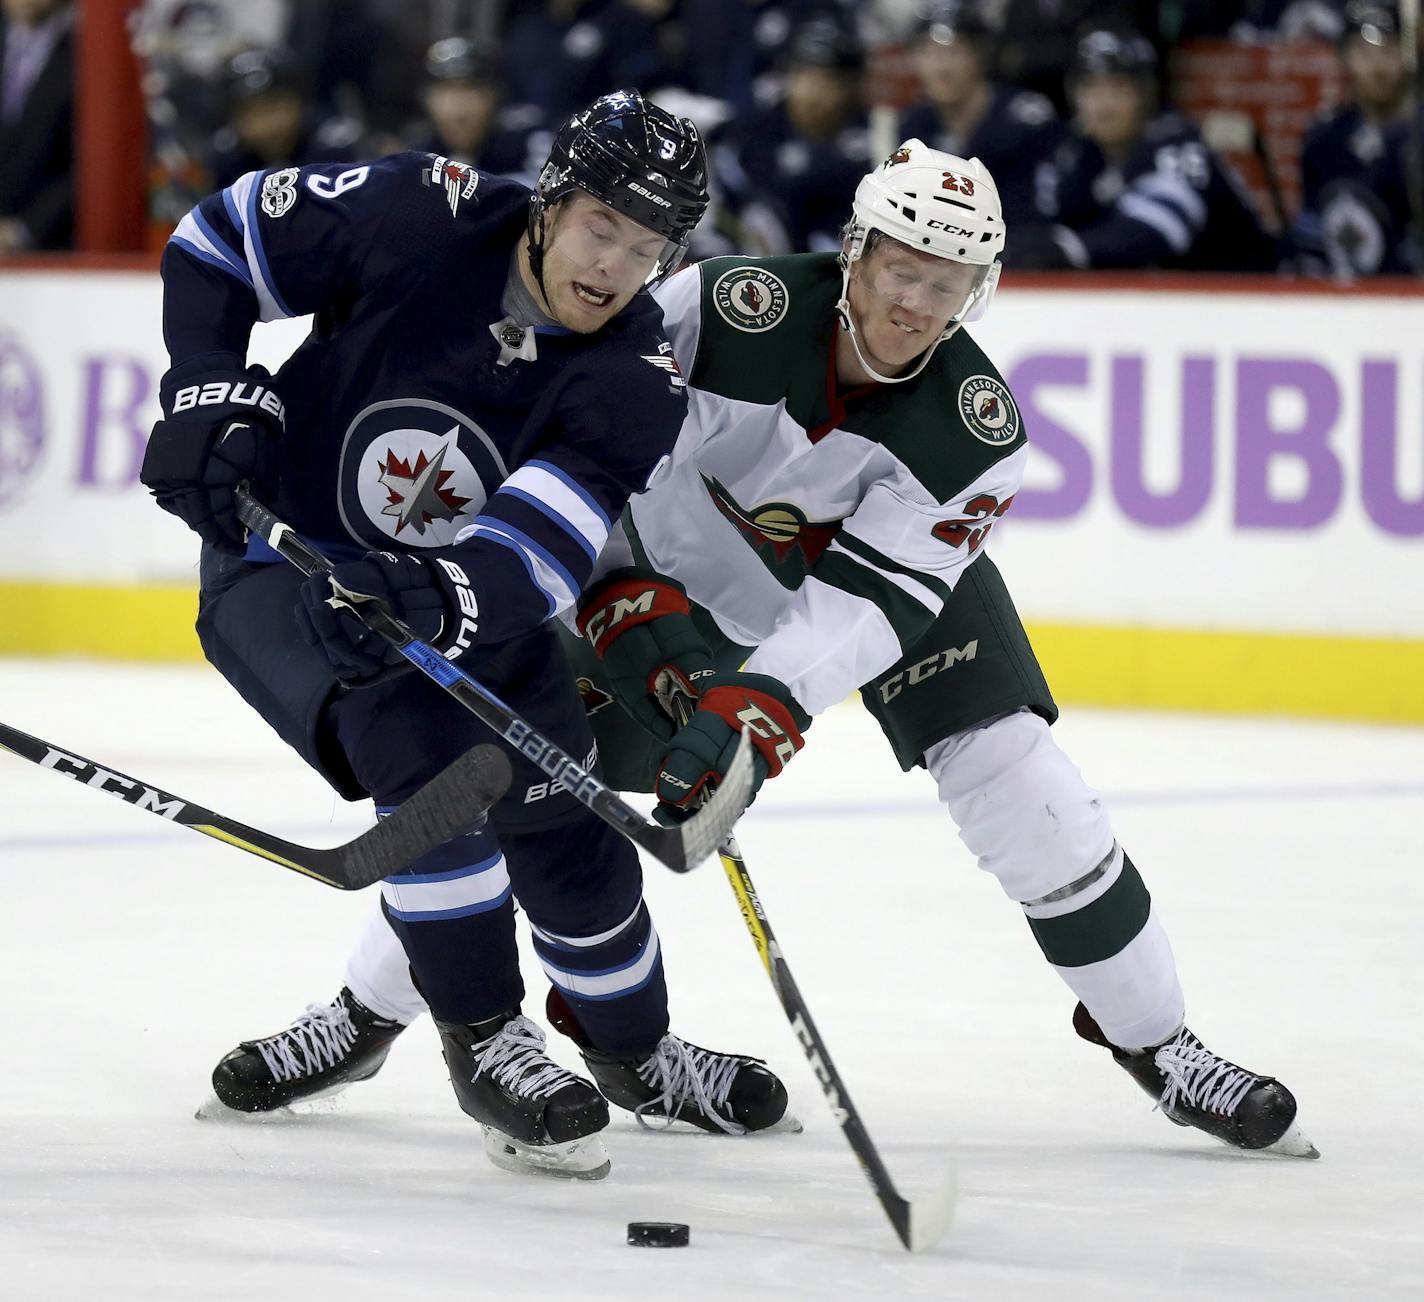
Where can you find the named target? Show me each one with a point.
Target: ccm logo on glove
(220, 393)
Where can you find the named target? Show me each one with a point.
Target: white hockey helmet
(937, 203)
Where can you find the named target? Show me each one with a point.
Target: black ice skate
(678, 1081)
(536, 1116)
(1194, 1087)
(327, 1048)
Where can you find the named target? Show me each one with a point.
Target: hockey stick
(920, 1224)
(449, 804)
(681, 848)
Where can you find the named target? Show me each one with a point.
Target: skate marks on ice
(942, 1018)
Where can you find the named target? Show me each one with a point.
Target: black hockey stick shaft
(680, 848)
(448, 805)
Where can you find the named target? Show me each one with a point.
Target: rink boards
(1224, 507)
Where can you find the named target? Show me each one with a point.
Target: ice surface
(1284, 858)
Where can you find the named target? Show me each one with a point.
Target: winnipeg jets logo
(414, 473)
(419, 493)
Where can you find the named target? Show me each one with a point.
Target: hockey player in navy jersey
(1355, 217)
(1134, 187)
(1012, 131)
(485, 384)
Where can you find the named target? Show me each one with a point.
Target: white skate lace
(684, 1072)
(514, 1058)
(1197, 1077)
(320, 1038)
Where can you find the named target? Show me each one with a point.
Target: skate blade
(579, 1159)
(1293, 1144)
(213, 1108)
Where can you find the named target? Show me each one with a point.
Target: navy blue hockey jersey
(403, 428)
(1170, 203)
(1355, 211)
(1015, 140)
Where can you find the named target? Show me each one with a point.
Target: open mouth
(905, 329)
(593, 297)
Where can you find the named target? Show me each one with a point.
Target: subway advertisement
(1224, 506)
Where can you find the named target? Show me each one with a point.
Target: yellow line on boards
(131, 623)
(1377, 679)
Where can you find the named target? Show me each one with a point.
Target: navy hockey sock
(454, 915)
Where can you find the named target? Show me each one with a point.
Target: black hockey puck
(657, 1234)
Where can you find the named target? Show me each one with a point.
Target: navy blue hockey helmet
(635, 157)
(948, 21)
(1108, 51)
(456, 59)
(1370, 21)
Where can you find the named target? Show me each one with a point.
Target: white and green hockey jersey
(824, 528)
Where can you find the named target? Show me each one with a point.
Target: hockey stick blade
(680, 848)
(446, 806)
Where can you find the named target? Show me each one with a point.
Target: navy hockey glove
(702, 750)
(430, 595)
(219, 430)
(640, 625)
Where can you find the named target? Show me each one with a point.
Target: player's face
(1376, 72)
(818, 100)
(1110, 108)
(461, 112)
(595, 260)
(902, 299)
(949, 71)
(270, 124)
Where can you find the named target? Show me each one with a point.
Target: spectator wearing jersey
(36, 126)
(1012, 132)
(1356, 206)
(467, 119)
(563, 53)
(790, 171)
(1133, 186)
(270, 123)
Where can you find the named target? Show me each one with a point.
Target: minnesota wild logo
(750, 298)
(988, 410)
(788, 543)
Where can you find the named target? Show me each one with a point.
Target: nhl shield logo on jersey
(988, 410)
(415, 472)
(750, 299)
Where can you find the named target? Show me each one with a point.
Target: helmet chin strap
(848, 324)
(535, 248)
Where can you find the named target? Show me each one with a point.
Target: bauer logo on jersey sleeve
(988, 410)
(750, 299)
(415, 472)
(279, 192)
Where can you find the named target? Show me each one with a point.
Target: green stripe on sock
(1102, 929)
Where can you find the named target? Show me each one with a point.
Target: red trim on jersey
(836, 400)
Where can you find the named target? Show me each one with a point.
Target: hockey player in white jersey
(819, 529)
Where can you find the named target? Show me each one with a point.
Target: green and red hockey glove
(702, 750)
(640, 625)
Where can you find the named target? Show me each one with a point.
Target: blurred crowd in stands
(1069, 103)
